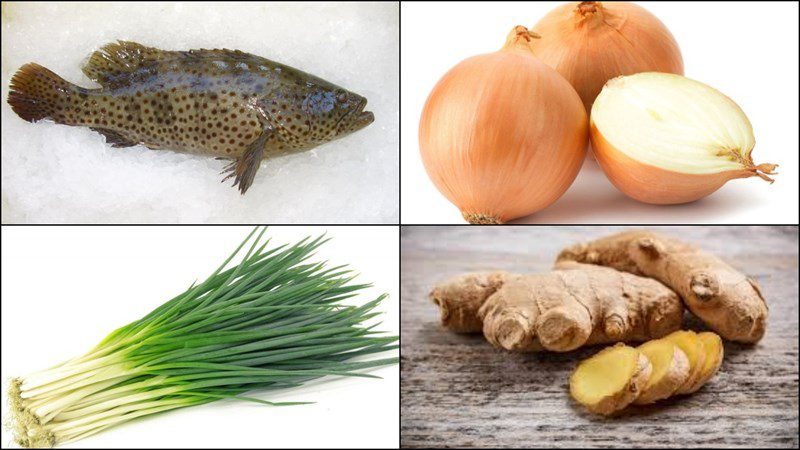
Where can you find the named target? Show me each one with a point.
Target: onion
(591, 42)
(275, 319)
(664, 139)
(503, 135)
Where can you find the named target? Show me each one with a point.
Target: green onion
(272, 321)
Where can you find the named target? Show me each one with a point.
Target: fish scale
(223, 103)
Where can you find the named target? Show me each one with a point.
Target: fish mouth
(357, 118)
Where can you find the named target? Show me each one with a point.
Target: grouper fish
(223, 103)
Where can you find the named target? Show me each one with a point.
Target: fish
(223, 103)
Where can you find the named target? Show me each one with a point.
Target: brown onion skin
(650, 184)
(502, 136)
(589, 43)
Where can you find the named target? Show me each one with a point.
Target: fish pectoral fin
(115, 139)
(245, 167)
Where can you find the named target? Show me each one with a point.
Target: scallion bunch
(272, 321)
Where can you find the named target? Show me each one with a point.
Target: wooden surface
(459, 391)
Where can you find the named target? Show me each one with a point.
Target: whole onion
(590, 43)
(503, 135)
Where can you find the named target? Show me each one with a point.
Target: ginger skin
(460, 298)
(559, 311)
(725, 299)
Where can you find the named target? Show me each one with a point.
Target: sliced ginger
(671, 369)
(694, 349)
(617, 376)
(714, 350)
(610, 380)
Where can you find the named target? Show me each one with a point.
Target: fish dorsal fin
(109, 65)
(220, 53)
(112, 65)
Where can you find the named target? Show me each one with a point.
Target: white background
(66, 288)
(748, 51)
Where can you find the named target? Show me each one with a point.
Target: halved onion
(664, 139)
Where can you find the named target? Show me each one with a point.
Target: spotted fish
(223, 103)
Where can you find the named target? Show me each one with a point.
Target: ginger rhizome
(562, 310)
(460, 298)
(725, 299)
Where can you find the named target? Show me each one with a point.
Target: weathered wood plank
(458, 391)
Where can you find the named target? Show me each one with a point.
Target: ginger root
(610, 380)
(560, 311)
(729, 302)
(460, 298)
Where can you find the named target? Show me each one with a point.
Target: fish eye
(341, 96)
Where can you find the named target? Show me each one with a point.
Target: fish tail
(37, 93)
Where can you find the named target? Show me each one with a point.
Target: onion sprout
(272, 321)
